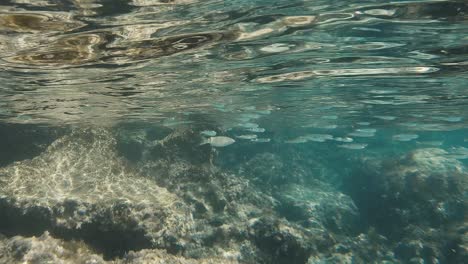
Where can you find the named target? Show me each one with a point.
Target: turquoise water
(189, 131)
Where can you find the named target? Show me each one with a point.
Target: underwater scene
(242, 131)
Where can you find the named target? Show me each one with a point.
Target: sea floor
(153, 195)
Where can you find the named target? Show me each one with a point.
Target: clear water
(349, 121)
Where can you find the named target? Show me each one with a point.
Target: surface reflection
(161, 59)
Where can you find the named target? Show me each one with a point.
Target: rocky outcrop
(418, 201)
(83, 199)
(79, 188)
(162, 205)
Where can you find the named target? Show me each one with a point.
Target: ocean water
(209, 131)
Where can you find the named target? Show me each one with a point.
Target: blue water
(189, 131)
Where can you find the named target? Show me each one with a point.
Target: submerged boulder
(80, 188)
(45, 249)
(269, 170)
(21, 141)
(425, 187)
(319, 206)
(416, 201)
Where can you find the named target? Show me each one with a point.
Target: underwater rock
(417, 197)
(319, 206)
(181, 144)
(364, 248)
(159, 256)
(218, 141)
(269, 170)
(282, 243)
(25, 141)
(79, 188)
(228, 211)
(45, 249)
(433, 245)
(425, 186)
(172, 205)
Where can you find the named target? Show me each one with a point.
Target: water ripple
(85, 61)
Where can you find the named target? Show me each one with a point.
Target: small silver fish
(331, 117)
(218, 141)
(251, 116)
(363, 132)
(249, 125)
(343, 139)
(363, 123)
(261, 140)
(297, 140)
(388, 118)
(172, 123)
(256, 129)
(430, 143)
(318, 137)
(249, 136)
(353, 146)
(208, 133)
(405, 137)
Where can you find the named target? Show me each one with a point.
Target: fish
(208, 133)
(172, 122)
(250, 116)
(318, 137)
(327, 126)
(331, 117)
(363, 132)
(353, 146)
(218, 142)
(276, 48)
(449, 118)
(343, 139)
(249, 136)
(249, 108)
(261, 140)
(367, 130)
(405, 137)
(430, 143)
(296, 140)
(386, 117)
(321, 125)
(363, 123)
(249, 125)
(256, 129)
